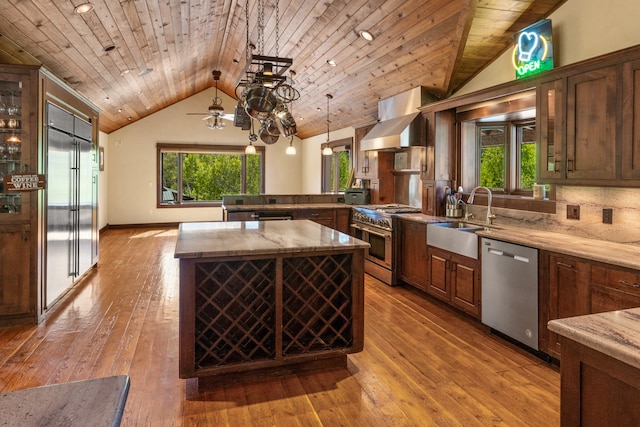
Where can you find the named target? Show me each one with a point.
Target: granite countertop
(237, 238)
(97, 402)
(619, 254)
(285, 206)
(614, 333)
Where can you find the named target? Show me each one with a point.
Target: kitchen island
(267, 298)
(600, 368)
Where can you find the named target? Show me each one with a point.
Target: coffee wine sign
(533, 51)
(24, 182)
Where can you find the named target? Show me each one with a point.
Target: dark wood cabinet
(365, 164)
(614, 288)
(343, 220)
(572, 286)
(631, 120)
(550, 127)
(565, 289)
(16, 294)
(597, 389)
(455, 279)
(412, 253)
(321, 216)
(591, 125)
(465, 284)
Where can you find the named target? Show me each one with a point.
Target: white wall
(130, 164)
(103, 186)
(582, 29)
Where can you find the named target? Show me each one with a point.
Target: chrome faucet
(490, 217)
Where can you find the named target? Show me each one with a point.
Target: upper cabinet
(365, 163)
(589, 123)
(631, 120)
(15, 142)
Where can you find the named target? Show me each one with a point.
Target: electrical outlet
(607, 216)
(573, 212)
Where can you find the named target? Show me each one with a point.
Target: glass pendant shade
(250, 149)
(327, 151)
(291, 150)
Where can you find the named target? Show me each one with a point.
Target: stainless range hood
(401, 125)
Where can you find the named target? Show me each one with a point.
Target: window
(336, 168)
(198, 175)
(507, 157)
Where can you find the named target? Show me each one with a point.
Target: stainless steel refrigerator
(69, 200)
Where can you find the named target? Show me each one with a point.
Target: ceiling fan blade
(208, 117)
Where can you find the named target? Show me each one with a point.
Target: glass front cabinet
(18, 296)
(24, 92)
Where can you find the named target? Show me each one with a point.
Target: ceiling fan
(215, 112)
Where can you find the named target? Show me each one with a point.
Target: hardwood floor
(423, 363)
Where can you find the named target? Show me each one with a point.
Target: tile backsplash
(625, 203)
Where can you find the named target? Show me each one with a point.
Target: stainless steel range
(374, 224)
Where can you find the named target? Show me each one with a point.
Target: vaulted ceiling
(134, 57)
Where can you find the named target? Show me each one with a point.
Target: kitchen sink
(454, 236)
(460, 226)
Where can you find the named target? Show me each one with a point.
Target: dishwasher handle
(508, 255)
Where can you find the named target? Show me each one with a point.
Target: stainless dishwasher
(510, 290)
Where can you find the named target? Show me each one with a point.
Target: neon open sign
(533, 51)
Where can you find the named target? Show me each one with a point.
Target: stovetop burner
(392, 208)
(381, 215)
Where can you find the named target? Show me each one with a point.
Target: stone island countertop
(613, 333)
(237, 238)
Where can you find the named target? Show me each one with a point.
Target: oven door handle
(384, 235)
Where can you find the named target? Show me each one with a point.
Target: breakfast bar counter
(600, 368)
(266, 298)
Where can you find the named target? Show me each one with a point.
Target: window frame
(201, 149)
(340, 145)
(512, 156)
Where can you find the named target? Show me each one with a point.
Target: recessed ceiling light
(331, 62)
(83, 8)
(366, 35)
(138, 93)
(145, 72)
(125, 71)
(119, 110)
(109, 48)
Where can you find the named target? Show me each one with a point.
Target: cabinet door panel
(465, 285)
(591, 125)
(550, 117)
(438, 273)
(413, 253)
(14, 270)
(631, 120)
(568, 293)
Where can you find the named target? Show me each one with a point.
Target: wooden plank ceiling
(439, 44)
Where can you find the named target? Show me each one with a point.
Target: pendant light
(291, 150)
(327, 151)
(250, 149)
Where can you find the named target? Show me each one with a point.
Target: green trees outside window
(337, 167)
(201, 174)
(507, 157)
